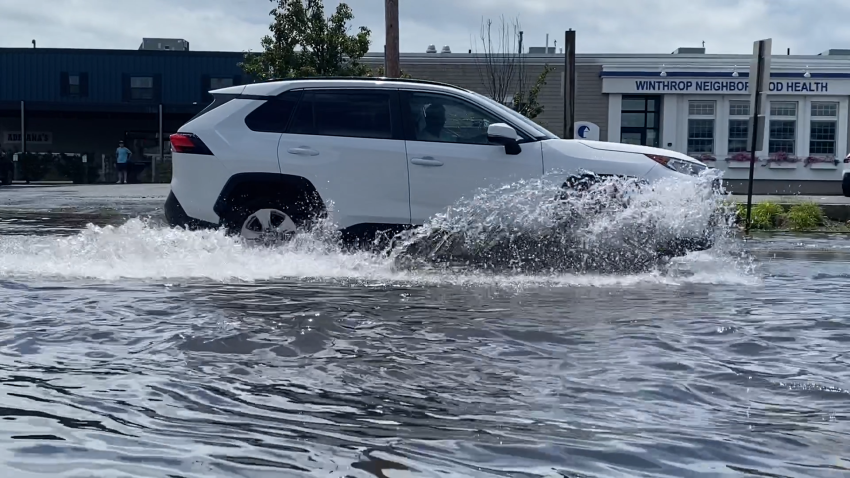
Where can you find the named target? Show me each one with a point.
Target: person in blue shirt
(122, 155)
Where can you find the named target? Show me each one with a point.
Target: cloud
(602, 26)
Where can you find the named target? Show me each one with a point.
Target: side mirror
(501, 133)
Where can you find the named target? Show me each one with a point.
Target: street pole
(391, 54)
(159, 138)
(758, 84)
(23, 130)
(569, 83)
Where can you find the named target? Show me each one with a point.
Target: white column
(804, 126)
(721, 128)
(615, 107)
(670, 122)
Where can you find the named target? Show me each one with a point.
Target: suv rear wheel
(263, 222)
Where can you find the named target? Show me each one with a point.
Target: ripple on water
(135, 350)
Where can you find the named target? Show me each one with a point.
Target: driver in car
(435, 119)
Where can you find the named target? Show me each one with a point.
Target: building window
(217, 83)
(640, 119)
(739, 126)
(701, 127)
(824, 124)
(74, 85)
(141, 87)
(783, 127)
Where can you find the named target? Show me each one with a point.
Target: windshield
(543, 133)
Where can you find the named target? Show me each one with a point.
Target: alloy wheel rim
(268, 225)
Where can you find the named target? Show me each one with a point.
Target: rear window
(348, 113)
(273, 115)
(217, 101)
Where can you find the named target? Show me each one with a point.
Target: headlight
(678, 165)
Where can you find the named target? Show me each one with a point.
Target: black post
(566, 86)
(755, 132)
(23, 129)
(569, 84)
(161, 150)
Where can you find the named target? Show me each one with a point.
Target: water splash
(141, 249)
(610, 225)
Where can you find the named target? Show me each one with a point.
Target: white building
(697, 104)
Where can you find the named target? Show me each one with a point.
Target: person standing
(122, 157)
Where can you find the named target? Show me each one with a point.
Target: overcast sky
(602, 26)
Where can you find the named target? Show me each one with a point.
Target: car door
(453, 164)
(349, 143)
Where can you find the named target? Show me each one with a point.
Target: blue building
(87, 100)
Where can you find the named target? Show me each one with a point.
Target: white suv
(387, 153)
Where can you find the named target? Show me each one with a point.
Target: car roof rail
(365, 78)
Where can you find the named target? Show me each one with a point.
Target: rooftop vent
(541, 50)
(174, 44)
(431, 49)
(446, 49)
(836, 52)
(689, 51)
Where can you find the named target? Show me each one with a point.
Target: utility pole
(569, 84)
(759, 83)
(391, 51)
(161, 148)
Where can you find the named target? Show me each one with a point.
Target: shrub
(71, 166)
(805, 216)
(34, 166)
(764, 215)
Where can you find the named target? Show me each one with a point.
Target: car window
(273, 115)
(446, 119)
(353, 113)
(543, 133)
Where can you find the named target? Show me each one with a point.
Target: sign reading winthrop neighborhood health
(724, 86)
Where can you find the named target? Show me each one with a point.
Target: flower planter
(738, 164)
(829, 165)
(781, 165)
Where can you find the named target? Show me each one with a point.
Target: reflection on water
(134, 350)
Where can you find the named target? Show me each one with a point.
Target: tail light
(188, 143)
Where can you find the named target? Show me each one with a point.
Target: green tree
(379, 72)
(304, 42)
(526, 103)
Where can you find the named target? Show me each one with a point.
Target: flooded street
(130, 349)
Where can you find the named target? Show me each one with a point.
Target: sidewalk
(83, 197)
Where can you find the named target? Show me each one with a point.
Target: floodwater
(129, 349)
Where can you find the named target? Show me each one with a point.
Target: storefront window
(639, 120)
(823, 129)
(739, 126)
(783, 127)
(701, 127)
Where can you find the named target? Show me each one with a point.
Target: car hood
(637, 149)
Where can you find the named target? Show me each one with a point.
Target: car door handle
(426, 161)
(302, 151)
